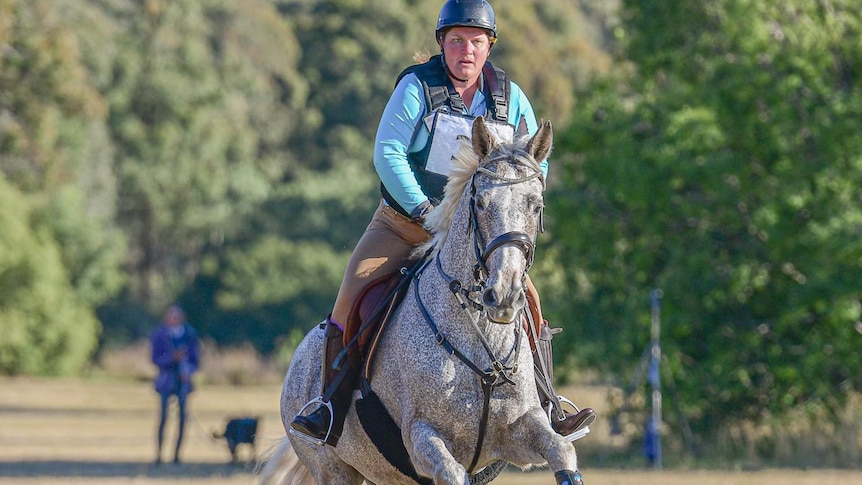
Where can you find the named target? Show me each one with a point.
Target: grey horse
(452, 371)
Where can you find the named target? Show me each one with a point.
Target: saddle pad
(381, 428)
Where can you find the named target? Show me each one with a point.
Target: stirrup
(308, 438)
(577, 434)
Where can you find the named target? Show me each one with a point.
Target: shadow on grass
(99, 469)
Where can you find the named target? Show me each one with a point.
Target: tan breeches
(387, 242)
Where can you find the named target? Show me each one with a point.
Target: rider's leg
(386, 244)
(337, 386)
(562, 422)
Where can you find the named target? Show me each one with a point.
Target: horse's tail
(282, 467)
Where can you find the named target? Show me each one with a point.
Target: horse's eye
(480, 203)
(538, 208)
(536, 204)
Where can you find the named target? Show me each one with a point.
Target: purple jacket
(174, 377)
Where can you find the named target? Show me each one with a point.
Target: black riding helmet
(467, 13)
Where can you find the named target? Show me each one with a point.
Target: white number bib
(445, 129)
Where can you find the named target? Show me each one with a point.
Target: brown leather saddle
(373, 308)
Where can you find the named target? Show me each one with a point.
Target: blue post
(652, 445)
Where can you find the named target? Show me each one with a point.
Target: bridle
(515, 238)
(500, 372)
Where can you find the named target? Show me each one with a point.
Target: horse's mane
(465, 163)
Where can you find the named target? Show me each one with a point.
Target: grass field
(59, 431)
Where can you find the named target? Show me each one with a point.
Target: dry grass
(239, 365)
(58, 431)
(805, 438)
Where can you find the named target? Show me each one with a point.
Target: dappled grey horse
(449, 395)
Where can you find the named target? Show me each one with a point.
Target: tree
(47, 329)
(203, 98)
(720, 166)
(62, 257)
(553, 48)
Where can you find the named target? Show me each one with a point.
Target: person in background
(176, 352)
(457, 83)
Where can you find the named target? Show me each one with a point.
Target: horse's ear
(540, 145)
(483, 140)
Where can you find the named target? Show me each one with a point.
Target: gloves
(421, 211)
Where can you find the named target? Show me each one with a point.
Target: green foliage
(208, 93)
(51, 114)
(282, 271)
(60, 255)
(551, 48)
(91, 253)
(46, 328)
(722, 167)
(355, 49)
(218, 153)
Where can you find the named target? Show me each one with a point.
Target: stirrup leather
(577, 434)
(308, 438)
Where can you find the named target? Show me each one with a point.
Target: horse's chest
(451, 396)
(418, 380)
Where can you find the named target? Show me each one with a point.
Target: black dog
(238, 431)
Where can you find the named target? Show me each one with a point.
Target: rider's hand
(421, 212)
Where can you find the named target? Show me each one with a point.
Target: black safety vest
(439, 91)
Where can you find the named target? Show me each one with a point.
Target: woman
(175, 351)
(431, 105)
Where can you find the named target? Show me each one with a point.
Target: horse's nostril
(520, 300)
(490, 298)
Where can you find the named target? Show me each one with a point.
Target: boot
(337, 392)
(563, 422)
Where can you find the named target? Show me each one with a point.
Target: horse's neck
(458, 254)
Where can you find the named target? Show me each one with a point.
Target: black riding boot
(337, 392)
(563, 422)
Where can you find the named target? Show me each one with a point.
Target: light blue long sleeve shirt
(402, 115)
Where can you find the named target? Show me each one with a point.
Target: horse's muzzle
(503, 310)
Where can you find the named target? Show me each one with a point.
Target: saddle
(371, 309)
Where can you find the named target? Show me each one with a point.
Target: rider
(457, 81)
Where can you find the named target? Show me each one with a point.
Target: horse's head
(496, 190)
(506, 211)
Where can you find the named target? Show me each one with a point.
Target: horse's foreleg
(537, 442)
(432, 458)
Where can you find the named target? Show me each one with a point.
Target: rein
(499, 373)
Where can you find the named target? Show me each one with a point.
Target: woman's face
(174, 317)
(466, 49)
